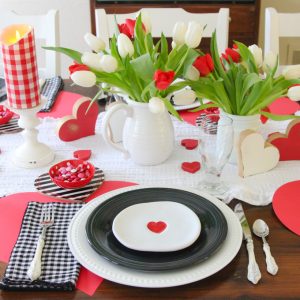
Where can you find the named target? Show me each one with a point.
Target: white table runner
(257, 190)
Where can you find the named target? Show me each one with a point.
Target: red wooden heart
(189, 144)
(157, 227)
(286, 205)
(82, 123)
(288, 144)
(82, 154)
(191, 167)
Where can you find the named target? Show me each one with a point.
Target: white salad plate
(160, 226)
(97, 264)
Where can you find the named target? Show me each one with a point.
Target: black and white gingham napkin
(49, 90)
(60, 269)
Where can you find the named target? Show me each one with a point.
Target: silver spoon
(261, 229)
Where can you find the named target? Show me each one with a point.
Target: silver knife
(254, 274)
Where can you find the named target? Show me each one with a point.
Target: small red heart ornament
(191, 167)
(81, 123)
(157, 227)
(288, 144)
(82, 154)
(189, 144)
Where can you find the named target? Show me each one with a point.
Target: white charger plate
(91, 260)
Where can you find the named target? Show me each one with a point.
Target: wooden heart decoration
(82, 154)
(288, 144)
(255, 156)
(191, 167)
(81, 123)
(189, 144)
(157, 227)
(286, 205)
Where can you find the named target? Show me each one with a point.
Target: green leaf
(149, 43)
(143, 67)
(203, 106)
(171, 109)
(279, 117)
(75, 55)
(247, 57)
(140, 34)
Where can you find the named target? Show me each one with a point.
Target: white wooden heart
(255, 155)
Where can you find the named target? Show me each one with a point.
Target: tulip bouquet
(240, 82)
(136, 66)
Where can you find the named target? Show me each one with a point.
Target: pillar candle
(20, 66)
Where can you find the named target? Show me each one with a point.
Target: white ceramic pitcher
(148, 138)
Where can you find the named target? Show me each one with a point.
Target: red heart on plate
(81, 123)
(82, 154)
(191, 167)
(288, 144)
(189, 144)
(286, 205)
(157, 227)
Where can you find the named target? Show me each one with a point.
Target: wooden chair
(163, 19)
(279, 25)
(46, 32)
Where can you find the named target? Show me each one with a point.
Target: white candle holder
(31, 154)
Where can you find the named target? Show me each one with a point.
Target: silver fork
(47, 220)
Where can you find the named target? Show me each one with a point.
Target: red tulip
(204, 64)
(128, 27)
(78, 67)
(233, 54)
(163, 79)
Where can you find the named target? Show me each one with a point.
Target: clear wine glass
(215, 146)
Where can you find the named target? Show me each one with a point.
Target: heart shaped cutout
(288, 144)
(81, 123)
(157, 227)
(191, 167)
(255, 156)
(286, 205)
(189, 144)
(82, 154)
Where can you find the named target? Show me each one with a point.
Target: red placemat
(12, 209)
(286, 205)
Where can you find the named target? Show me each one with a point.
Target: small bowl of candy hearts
(72, 173)
(5, 115)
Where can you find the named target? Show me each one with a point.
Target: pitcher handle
(106, 129)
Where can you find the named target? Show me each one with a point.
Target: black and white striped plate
(10, 127)
(46, 186)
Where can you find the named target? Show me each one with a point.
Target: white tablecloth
(257, 190)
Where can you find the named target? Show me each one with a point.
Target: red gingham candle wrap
(20, 66)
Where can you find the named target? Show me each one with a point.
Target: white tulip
(146, 21)
(179, 32)
(125, 46)
(257, 54)
(173, 45)
(95, 43)
(192, 73)
(84, 78)
(92, 60)
(291, 72)
(270, 61)
(156, 105)
(294, 93)
(193, 35)
(184, 97)
(108, 63)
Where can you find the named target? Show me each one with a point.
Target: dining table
(228, 283)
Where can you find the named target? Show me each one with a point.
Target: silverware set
(260, 229)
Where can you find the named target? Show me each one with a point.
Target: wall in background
(74, 19)
(289, 47)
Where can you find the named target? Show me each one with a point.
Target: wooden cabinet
(243, 25)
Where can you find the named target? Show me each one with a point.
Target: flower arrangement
(134, 64)
(240, 82)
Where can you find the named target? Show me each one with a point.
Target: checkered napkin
(50, 90)
(59, 267)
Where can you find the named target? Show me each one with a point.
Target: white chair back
(163, 19)
(279, 25)
(46, 30)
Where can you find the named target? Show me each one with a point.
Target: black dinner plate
(101, 238)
